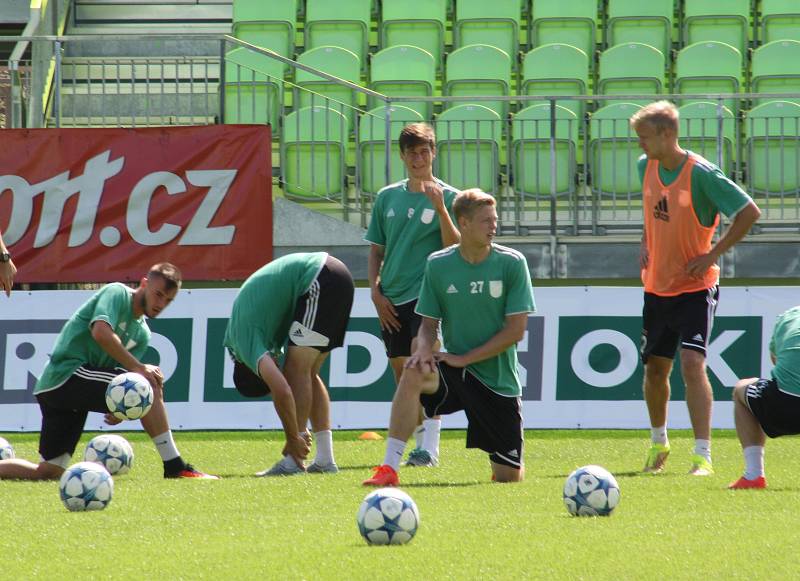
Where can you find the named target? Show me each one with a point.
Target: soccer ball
(6, 450)
(112, 451)
(129, 396)
(388, 516)
(86, 486)
(591, 491)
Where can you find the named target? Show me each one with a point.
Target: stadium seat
(772, 149)
(266, 23)
(709, 67)
(495, 23)
(313, 154)
(530, 151)
(419, 24)
(479, 69)
(636, 21)
(723, 20)
(573, 22)
(700, 130)
(253, 88)
(343, 23)
(468, 141)
(372, 146)
(402, 71)
(613, 153)
(780, 20)
(629, 69)
(556, 69)
(775, 68)
(312, 90)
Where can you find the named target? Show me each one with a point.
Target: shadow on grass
(443, 484)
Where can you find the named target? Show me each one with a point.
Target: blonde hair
(660, 115)
(468, 201)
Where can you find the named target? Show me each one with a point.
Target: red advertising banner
(98, 205)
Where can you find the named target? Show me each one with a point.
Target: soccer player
(482, 294)
(7, 268)
(410, 219)
(683, 195)
(106, 336)
(305, 299)
(769, 407)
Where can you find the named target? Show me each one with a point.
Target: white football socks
(753, 462)
(394, 452)
(659, 435)
(324, 443)
(419, 435)
(430, 442)
(166, 446)
(703, 448)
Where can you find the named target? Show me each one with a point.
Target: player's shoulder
(447, 188)
(115, 288)
(701, 164)
(508, 253)
(389, 189)
(443, 254)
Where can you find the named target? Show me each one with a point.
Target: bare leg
(156, 421)
(298, 369)
(656, 389)
(503, 473)
(19, 469)
(699, 398)
(747, 427)
(405, 404)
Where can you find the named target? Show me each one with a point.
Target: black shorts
(321, 315)
(64, 409)
(494, 421)
(398, 343)
(684, 319)
(778, 412)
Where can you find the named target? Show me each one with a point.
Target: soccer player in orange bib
(682, 197)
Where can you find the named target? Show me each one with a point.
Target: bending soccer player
(682, 195)
(410, 219)
(769, 407)
(106, 336)
(305, 299)
(482, 294)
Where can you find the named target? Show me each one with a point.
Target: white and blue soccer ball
(86, 486)
(591, 491)
(388, 516)
(129, 396)
(6, 450)
(112, 451)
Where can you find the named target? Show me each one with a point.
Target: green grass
(670, 526)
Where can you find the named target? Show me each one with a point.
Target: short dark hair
(168, 272)
(415, 134)
(468, 201)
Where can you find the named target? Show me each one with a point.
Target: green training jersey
(785, 345)
(712, 190)
(472, 301)
(264, 308)
(75, 345)
(407, 226)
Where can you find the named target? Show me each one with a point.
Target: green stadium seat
(629, 69)
(253, 88)
(709, 67)
(479, 69)
(468, 139)
(313, 153)
(700, 130)
(613, 153)
(266, 23)
(372, 146)
(636, 21)
(403, 71)
(343, 23)
(780, 20)
(530, 151)
(313, 90)
(419, 24)
(723, 20)
(775, 68)
(495, 23)
(772, 148)
(556, 69)
(569, 22)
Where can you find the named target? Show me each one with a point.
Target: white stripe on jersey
(443, 252)
(508, 251)
(312, 303)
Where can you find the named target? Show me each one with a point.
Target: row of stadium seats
(274, 24)
(476, 146)
(479, 69)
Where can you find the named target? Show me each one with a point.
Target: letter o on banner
(628, 358)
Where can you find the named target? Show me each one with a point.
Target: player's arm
(7, 270)
(450, 234)
(282, 397)
(423, 357)
(109, 341)
(512, 332)
(387, 315)
(739, 227)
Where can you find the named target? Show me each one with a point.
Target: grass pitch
(670, 526)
